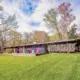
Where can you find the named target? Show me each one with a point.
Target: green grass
(44, 67)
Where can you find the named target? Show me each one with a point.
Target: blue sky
(30, 12)
(27, 6)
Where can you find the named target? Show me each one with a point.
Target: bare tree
(14, 38)
(66, 18)
(7, 23)
(28, 38)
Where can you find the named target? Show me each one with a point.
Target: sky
(30, 13)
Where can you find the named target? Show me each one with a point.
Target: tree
(28, 38)
(2, 41)
(53, 37)
(64, 10)
(66, 18)
(14, 38)
(7, 23)
(72, 33)
(51, 20)
(11, 22)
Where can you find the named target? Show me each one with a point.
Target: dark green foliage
(72, 33)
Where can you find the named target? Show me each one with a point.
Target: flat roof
(58, 41)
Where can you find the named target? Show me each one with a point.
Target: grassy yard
(44, 67)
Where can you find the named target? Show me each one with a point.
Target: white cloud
(37, 16)
(77, 14)
(42, 8)
(23, 19)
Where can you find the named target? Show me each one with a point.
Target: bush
(9, 51)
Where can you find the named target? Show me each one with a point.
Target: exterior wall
(39, 49)
(71, 46)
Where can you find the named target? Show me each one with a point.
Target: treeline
(7, 24)
(62, 20)
(17, 39)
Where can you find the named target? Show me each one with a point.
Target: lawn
(44, 67)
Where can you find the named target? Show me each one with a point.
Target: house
(67, 46)
(40, 36)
